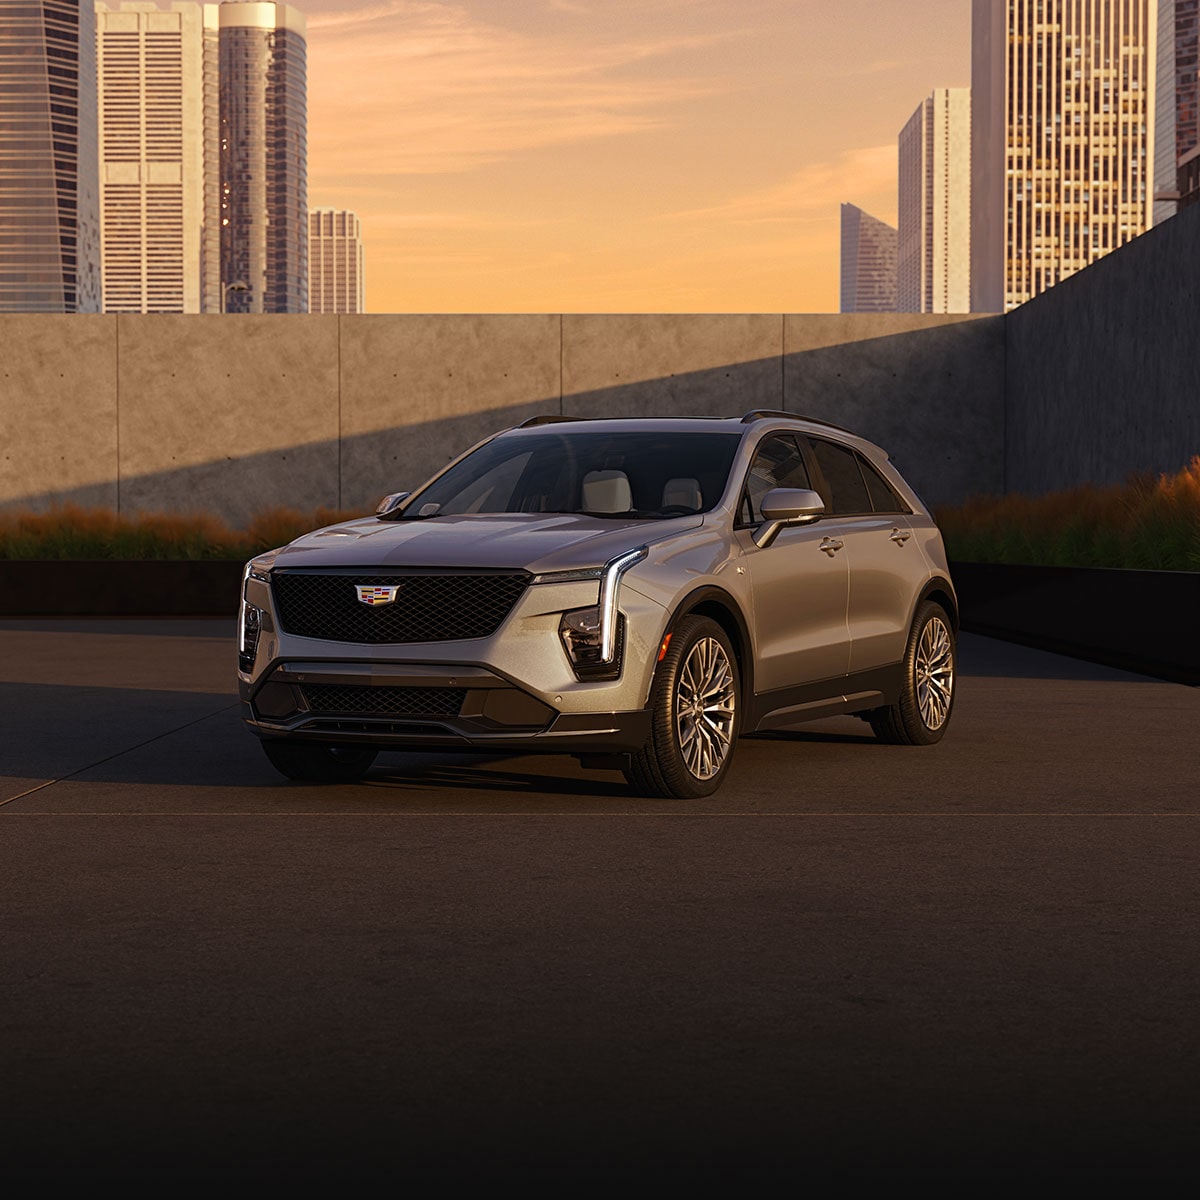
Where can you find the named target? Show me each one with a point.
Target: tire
(691, 742)
(317, 762)
(927, 694)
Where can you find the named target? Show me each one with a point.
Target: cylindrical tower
(264, 180)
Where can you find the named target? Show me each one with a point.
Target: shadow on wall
(932, 395)
(1104, 369)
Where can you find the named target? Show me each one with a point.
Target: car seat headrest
(685, 492)
(607, 492)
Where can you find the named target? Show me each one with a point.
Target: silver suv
(637, 593)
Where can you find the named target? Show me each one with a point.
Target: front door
(800, 589)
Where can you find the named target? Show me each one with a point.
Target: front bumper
(423, 705)
(514, 691)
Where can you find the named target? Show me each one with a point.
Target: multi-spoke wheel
(694, 707)
(705, 703)
(317, 762)
(920, 716)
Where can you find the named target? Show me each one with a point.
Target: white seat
(685, 492)
(607, 492)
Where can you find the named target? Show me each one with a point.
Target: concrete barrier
(1103, 371)
(233, 415)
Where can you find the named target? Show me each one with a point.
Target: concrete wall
(1103, 373)
(236, 414)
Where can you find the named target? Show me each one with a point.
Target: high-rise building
(1176, 132)
(1062, 95)
(933, 257)
(264, 182)
(335, 261)
(49, 206)
(868, 262)
(159, 193)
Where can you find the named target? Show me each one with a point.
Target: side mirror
(786, 506)
(389, 504)
(796, 506)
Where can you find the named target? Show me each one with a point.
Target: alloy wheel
(705, 698)
(934, 671)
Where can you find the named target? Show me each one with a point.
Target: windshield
(615, 474)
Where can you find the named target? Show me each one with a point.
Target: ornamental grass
(71, 532)
(1149, 523)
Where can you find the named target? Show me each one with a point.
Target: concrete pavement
(977, 957)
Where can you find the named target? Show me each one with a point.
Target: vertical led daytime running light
(242, 611)
(609, 588)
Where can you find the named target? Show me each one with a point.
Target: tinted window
(843, 480)
(618, 473)
(882, 497)
(778, 464)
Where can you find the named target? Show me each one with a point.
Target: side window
(883, 497)
(777, 464)
(843, 479)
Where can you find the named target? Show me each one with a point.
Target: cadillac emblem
(377, 595)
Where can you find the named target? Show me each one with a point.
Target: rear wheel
(694, 715)
(316, 762)
(920, 716)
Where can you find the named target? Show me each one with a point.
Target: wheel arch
(940, 590)
(718, 605)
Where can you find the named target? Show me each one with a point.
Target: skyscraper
(1062, 95)
(335, 262)
(49, 214)
(158, 157)
(264, 183)
(933, 257)
(868, 262)
(1176, 135)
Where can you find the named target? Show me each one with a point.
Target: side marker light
(662, 650)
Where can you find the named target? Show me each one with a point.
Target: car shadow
(488, 773)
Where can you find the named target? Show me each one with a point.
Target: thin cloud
(810, 191)
(406, 88)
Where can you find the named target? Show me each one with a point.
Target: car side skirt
(857, 692)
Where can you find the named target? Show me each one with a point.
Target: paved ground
(978, 957)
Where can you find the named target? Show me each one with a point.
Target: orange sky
(615, 155)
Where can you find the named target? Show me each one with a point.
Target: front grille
(354, 700)
(441, 607)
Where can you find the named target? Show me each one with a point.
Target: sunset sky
(615, 155)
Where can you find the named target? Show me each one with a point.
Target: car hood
(534, 541)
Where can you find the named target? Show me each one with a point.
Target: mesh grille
(428, 608)
(384, 701)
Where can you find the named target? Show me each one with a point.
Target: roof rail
(758, 414)
(546, 419)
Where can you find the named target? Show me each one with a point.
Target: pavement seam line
(824, 816)
(128, 750)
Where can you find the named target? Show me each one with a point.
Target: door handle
(899, 536)
(831, 545)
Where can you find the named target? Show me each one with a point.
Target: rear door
(885, 563)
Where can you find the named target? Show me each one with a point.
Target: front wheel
(920, 716)
(316, 762)
(694, 715)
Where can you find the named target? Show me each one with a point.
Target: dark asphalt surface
(977, 959)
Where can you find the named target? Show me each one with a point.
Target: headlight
(581, 633)
(251, 627)
(249, 620)
(593, 637)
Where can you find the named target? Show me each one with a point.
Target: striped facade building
(1063, 112)
(49, 206)
(159, 156)
(933, 257)
(335, 261)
